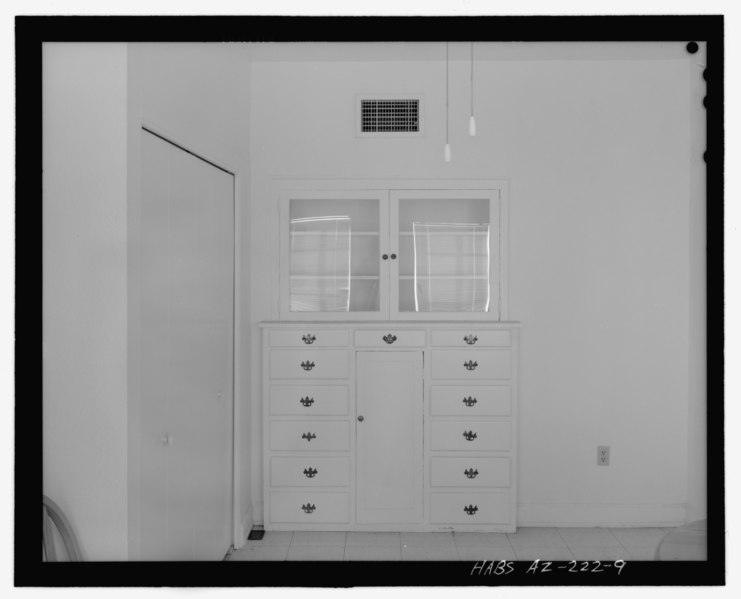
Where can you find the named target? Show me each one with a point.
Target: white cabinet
(399, 254)
(390, 430)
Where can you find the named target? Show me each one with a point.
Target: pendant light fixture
(447, 110)
(472, 120)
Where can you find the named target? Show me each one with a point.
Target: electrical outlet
(603, 455)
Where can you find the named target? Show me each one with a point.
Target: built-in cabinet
(400, 254)
(390, 376)
(401, 426)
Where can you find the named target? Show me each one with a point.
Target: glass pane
(444, 255)
(334, 255)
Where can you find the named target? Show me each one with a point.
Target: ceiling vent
(389, 116)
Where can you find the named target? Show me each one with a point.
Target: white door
(389, 437)
(186, 359)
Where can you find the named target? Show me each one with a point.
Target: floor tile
(427, 539)
(640, 552)
(638, 536)
(316, 552)
(305, 537)
(590, 537)
(538, 537)
(271, 537)
(388, 553)
(585, 552)
(480, 554)
(533, 552)
(481, 539)
(272, 553)
(374, 538)
(437, 553)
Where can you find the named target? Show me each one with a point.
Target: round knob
(393, 256)
(385, 256)
(361, 418)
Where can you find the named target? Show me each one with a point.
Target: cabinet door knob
(310, 472)
(469, 401)
(393, 256)
(385, 256)
(361, 418)
(469, 435)
(471, 509)
(307, 365)
(389, 338)
(308, 507)
(308, 339)
(470, 339)
(308, 437)
(470, 365)
(306, 401)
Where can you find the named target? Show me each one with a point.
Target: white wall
(198, 96)
(596, 148)
(84, 291)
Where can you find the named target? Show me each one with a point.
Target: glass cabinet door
(331, 255)
(448, 253)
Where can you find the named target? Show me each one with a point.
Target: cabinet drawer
(309, 337)
(309, 435)
(309, 472)
(309, 507)
(308, 400)
(471, 338)
(308, 364)
(390, 338)
(471, 365)
(465, 400)
(470, 472)
(462, 435)
(470, 508)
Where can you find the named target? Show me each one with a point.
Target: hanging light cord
(471, 78)
(447, 110)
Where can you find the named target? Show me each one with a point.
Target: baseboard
(601, 514)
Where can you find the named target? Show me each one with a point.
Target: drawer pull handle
(310, 472)
(470, 339)
(389, 338)
(308, 507)
(307, 401)
(307, 365)
(470, 365)
(471, 473)
(469, 435)
(308, 437)
(469, 401)
(471, 509)
(308, 339)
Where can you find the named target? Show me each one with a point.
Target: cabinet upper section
(393, 254)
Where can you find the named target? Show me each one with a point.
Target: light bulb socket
(448, 155)
(472, 126)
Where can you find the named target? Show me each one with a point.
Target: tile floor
(526, 544)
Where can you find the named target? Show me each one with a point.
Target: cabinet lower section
(363, 434)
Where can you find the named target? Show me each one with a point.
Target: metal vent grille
(389, 116)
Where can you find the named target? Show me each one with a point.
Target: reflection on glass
(451, 267)
(320, 264)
